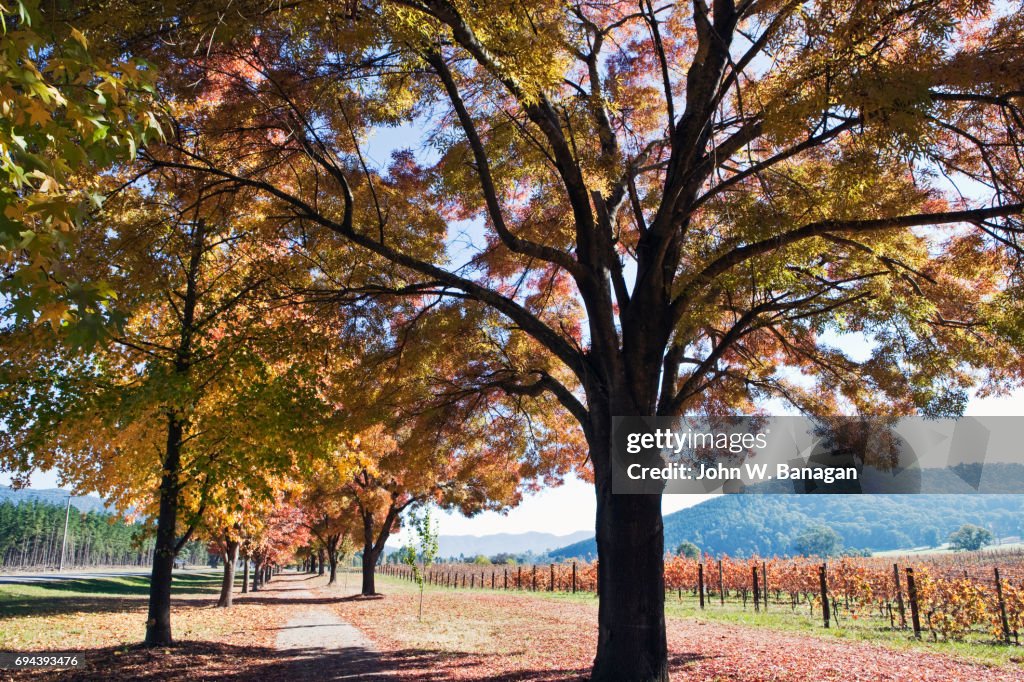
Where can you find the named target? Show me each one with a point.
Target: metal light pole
(64, 542)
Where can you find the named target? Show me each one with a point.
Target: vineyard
(944, 597)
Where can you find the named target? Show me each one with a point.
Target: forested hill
(742, 525)
(55, 496)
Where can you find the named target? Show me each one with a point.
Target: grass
(61, 596)
(103, 620)
(84, 614)
(977, 647)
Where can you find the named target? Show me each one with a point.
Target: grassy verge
(84, 614)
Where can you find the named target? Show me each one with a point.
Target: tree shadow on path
(198, 660)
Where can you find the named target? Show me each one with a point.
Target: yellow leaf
(77, 35)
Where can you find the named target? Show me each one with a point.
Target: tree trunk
(332, 557)
(228, 584)
(631, 644)
(256, 575)
(373, 546)
(320, 561)
(369, 575)
(158, 623)
(245, 574)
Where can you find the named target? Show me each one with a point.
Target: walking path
(319, 644)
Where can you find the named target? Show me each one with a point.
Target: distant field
(945, 549)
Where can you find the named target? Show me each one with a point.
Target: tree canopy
(623, 209)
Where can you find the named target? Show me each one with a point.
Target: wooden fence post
(551, 587)
(899, 595)
(822, 571)
(757, 593)
(700, 583)
(506, 577)
(574, 577)
(1002, 608)
(519, 580)
(534, 581)
(912, 593)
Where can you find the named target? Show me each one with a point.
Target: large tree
(718, 185)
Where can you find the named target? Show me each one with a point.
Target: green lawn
(94, 593)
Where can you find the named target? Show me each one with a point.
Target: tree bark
(369, 572)
(256, 575)
(631, 645)
(320, 561)
(332, 557)
(373, 546)
(245, 573)
(228, 583)
(158, 623)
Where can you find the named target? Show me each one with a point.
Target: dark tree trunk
(369, 572)
(227, 585)
(245, 574)
(158, 623)
(320, 561)
(631, 644)
(256, 575)
(373, 546)
(332, 557)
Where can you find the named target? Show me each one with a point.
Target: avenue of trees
(279, 267)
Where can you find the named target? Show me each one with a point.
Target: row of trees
(33, 536)
(611, 209)
(241, 385)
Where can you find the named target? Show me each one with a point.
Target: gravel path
(319, 644)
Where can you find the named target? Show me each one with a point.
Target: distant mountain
(511, 543)
(83, 503)
(469, 546)
(743, 525)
